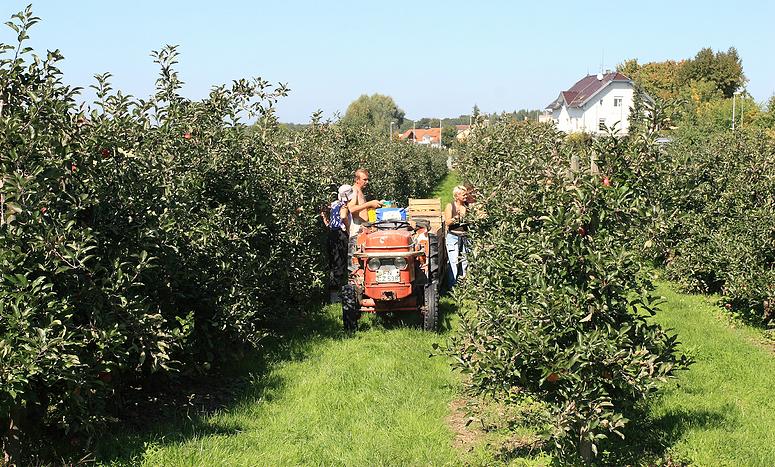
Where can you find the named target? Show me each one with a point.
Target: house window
(601, 124)
(617, 101)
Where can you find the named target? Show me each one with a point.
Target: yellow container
(372, 215)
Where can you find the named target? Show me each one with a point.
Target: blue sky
(433, 58)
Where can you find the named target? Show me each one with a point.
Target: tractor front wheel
(350, 310)
(430, 320)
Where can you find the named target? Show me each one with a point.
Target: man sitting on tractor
(358, 207)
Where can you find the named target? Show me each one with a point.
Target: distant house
(594, 103)
(463, 131)
(430, 136)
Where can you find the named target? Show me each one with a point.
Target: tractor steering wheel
(391, 224)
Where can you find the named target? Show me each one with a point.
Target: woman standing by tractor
(457, 234)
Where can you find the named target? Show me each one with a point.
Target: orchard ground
(378, 397)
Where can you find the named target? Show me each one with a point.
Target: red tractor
(399, 269)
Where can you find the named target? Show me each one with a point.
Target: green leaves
(146, 236)
(557, 286)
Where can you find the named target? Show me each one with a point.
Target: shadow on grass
(403, 319)
(180, 410)
(648, 439)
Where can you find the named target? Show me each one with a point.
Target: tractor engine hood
(388, 240)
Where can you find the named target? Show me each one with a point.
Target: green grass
(722, 410)
(719, 412)
(444, 190)
(375, 398)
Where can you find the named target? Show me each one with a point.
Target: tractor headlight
(373, 264)
(400, 263)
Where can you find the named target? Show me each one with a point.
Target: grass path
(375, 398)
(444, 190)
(722, 410)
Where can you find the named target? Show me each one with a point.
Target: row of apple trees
(147, 236)
(718, 236)
(712, 195)
(559, 289)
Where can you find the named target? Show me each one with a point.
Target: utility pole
(390, 135)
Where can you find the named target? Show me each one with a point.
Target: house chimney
(600, 77)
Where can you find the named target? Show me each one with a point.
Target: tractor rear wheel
(434, 258)
(350, 310)
(430, 320)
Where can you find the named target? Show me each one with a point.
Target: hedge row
(711, 199)
(156, 235)
(719, 190)
(560, 294)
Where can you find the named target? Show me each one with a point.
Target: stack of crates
(427, 209)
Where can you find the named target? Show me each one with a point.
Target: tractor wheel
(434, 258)
(430, 320)
(350, 310)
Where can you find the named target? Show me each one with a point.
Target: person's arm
(355, 208)
(344, 215)
(448, 215)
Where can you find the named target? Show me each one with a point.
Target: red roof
(585, 88)
(420, 133)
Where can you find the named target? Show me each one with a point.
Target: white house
(592, 104)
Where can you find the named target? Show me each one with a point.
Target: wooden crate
(428, 209)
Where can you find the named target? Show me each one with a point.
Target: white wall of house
(610, 105)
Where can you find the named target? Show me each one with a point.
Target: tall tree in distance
(723, 69)
(448, 135)
(707, 76)
(374, 112)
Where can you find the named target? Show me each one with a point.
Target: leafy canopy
(374, 112)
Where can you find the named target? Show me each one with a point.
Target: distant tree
(448, 134)
(425, 122)
(768, 119)
(295, 126)
(525, 114)
(659, 79)
(724, 69)
(374, 112)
